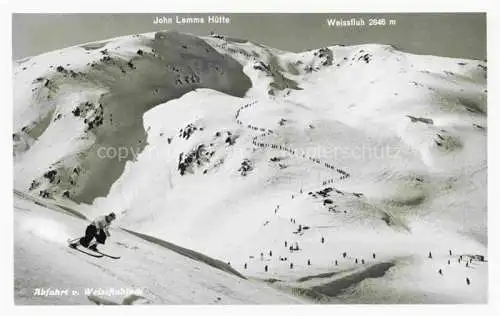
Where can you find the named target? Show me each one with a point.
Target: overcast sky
(461, 35)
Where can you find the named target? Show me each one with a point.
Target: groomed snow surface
(245, 174)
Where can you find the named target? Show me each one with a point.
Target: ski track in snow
(286, 149)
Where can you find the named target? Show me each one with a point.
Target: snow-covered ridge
(235, 149)
(97, 97)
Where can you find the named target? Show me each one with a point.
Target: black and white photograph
(228, 158)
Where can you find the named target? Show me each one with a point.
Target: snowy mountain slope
(362, 149)
(96, 98)
(42, 260)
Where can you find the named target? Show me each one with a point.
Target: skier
(98, 228)
(308, 262)
(322, 240)
(336, 263)
(440, 271)
(430, 255)
(245, 265)
(344, 254)
(467, 280)
(373, 255)
(265, 268)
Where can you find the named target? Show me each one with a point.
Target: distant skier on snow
(98, 229)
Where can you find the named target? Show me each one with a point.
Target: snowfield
(245, 174)
(152, 274)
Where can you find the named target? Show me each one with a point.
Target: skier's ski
(109, 256)
(93, 253)
(71, 241)
(96, 255)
